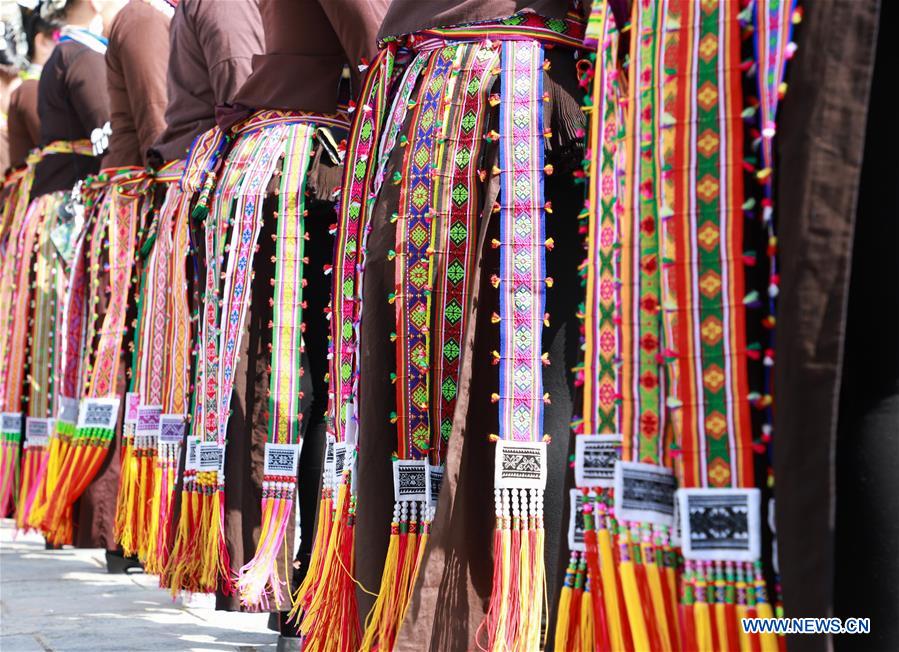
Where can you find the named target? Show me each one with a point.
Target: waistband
(170, 172)
(82, 147)
(270, 117)
(564, 32)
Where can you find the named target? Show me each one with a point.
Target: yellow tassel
(586, 627)
(658, 601)
(562, 617)
(609, 589)
(768, 639)
(322, 534)
(151, 558)
(721, 627)
(128, 535)
(144, 479)
(177, 568)
(378, 613)
(745, 643)
(632, 602)
(525, 586)
(703, 626)
(671, 577)
(329, 562)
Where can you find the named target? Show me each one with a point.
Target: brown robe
(212, 43)
(24, 125)
(837, 376)
(136, 64)
(72, 102)
(310, 41)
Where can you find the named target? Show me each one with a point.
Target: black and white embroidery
(191, 457)
(11, 423)
(520, 465)
(340, 450)
(38, 431)
(576, 521)
(411, 480)
(282, 460)
(436, 478)
(171, 428)
(644, 492)
(594, 460)
(99, 413)
(720, 524)
(210, 457)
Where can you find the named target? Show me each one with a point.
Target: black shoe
(117, 563)
(50, 546)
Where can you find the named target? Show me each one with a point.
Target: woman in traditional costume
(74, 113)
(136, 62)
(24, 136)
(204, 73)
(269, 173)
(454, 325)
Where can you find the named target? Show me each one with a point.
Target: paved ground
(62, 600)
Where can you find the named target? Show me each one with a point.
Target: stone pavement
(62, 600)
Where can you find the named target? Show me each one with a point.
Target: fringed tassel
(323, 525)
(124, 518)
(332, 605)
(152, 553)
(646, 600)
(768, 639)
(215, 565)
(619, 631)
(9, 471)
(19, 485)
(59, 446)
(590, 561)
(161, 510)
(687, 612)
(632, 595)
(146, 487)
(30, 491)
(498, 610)
(565, 611)
(261, 572)
(587, 627)
(702, 620)
(56, 501)
(515, 614)
(182, 569)
(654, 582)
(374, 626)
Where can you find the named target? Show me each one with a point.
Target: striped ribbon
(231, 231)
(119, 217)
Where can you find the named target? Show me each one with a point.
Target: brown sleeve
(356, 23)
(144, 55)
(86, 84)
(24, 124)
(228, 45)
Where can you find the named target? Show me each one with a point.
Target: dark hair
(54, 9)
(36, 24)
